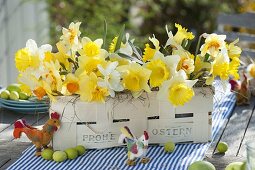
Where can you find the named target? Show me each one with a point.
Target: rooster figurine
(40, 138)
(137, 148)
(242, 91)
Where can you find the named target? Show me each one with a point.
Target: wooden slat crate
(97, 125)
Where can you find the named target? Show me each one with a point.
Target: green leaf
(63, 73)
(130, 58)
(118, 44)
(63, 66)
(188, 45)
(206, 59)
(184, 43)
(105, 34)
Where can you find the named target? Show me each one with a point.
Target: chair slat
(231, 36)
(248, 53)
(246, 20)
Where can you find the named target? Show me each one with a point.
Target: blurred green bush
(142, 17)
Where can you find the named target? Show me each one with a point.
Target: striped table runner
(115, 158)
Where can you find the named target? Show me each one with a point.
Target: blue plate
(27, 110)
(22, 104)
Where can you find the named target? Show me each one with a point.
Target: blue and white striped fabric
(115, 158)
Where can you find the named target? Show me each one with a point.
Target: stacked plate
(31, 106)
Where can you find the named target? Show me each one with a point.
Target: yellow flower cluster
(81, 66)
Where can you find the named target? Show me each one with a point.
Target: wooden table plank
(236, 127)
(11, 151)
(250, 133)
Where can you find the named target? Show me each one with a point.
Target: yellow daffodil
(72, 84)
(186, 62)
(213, 44)
(178, 90)
(171, 42)
(251, 71)
(89, 65)
(233, 68)
(233, 50)
(31, 56)
(39, 87)
(135, 78)
(111, 78)
(159, 72)
(162, 69)
(124, 48)
(200, 66)
(113, 45)
(71, 35)
(52, 76)
(122, 61)
(149, 52)
(90, 90)
(220, 67)
(182, 34)
(92, 48)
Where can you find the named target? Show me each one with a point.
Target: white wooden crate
(97, 125)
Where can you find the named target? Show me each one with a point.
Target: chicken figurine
(137, 148)
(242, 91)
(40, 138)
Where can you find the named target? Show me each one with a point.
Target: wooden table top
(235, 131)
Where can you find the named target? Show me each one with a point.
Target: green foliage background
(142, 17)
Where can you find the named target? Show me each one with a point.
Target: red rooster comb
(54, 115)
(146, 136)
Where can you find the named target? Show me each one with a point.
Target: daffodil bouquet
(94, 71)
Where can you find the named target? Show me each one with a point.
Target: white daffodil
(111, 78)
(178, 90)
(126, 48)
(251, 71)
(71, 35)
(92, 48)
(35, 51)
(213, 44)
(171, 41)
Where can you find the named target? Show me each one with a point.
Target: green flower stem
(197, 48)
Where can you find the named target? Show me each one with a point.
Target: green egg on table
(201, 165)
(222, 147)
(236, 166)
(169, 147)
(71, 153)
(47, 154)
(59, 156)
(80, 149)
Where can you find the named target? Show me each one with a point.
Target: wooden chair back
(240, 26)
